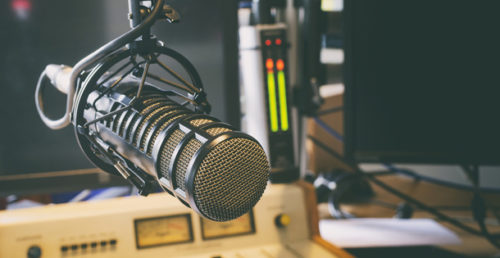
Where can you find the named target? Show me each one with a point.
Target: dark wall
(59, 31)
(422, 81)
(48, 33)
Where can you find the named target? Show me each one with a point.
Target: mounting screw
(138, 72)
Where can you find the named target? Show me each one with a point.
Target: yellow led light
(273, 107)
(283, 101)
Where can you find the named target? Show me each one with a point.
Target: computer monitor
(34, 158)
(422, 81)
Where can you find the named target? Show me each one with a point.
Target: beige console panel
(160, 226)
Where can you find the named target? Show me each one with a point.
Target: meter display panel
(240, 226)
(158, 231)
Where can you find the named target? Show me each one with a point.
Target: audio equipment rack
(266, 93)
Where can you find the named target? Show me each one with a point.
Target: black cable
(424, 207)
(325, 148)
(415, 175)
(494, 210)
(437, 207)
(405, 197)
(340, 158)
(479, 208)
(406, 172)
(473, 176)
(329, 129)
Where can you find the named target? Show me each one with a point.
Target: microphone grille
(231, 179)
(167, 152)
(218, 130)
(219, 172)
(185, 157)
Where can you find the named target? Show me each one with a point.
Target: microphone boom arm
(91, 60)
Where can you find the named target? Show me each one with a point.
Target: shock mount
(136, 55)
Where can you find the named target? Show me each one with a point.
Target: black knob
(34, 252)
(404, 211)
(282, 220)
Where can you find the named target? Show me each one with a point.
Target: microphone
(126, 125)
(213, 169)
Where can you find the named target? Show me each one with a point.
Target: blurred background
(61, 32)
(404, 93)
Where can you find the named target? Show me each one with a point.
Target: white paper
(331, 56)
(353, 233)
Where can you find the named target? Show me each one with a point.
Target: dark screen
(422, 81)
(36, 33)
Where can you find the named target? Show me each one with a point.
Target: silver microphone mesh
(219, 172)
(184, 158)
(231, 179)
(167, 152)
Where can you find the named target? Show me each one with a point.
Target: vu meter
(240, 226)
(151, 232)
(266, 94)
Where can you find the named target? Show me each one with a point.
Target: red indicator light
(269, 64)
(22, 8)
(278, 42)
(268, 42)
(280, 65)
(21, 5)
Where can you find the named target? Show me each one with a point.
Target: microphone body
(206, 164)
(134, 129)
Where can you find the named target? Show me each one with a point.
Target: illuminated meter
(158, 231)
(266, 96)
(241, 226)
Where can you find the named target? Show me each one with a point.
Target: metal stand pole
(134, 9)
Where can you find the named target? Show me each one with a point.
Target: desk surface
(433, 195)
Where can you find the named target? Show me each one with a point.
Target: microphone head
(230, 179)
(218, 172)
